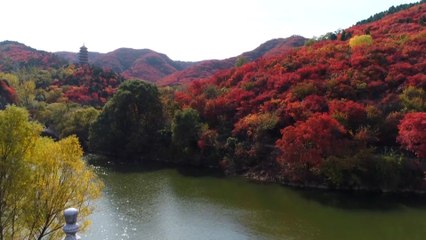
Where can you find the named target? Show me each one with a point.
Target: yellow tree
(60, 180)
(360, 40)
(44, 178)
(17, 138)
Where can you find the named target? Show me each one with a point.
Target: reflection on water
(172, 204)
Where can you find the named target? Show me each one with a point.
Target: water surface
(168, 203)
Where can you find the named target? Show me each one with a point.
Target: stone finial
(71, 227)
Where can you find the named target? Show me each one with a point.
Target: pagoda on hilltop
(83, 56)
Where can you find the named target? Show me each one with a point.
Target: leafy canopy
(130, 122)
(186, 129)
(412, 133)
(39, 178)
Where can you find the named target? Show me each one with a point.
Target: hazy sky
(182, 29)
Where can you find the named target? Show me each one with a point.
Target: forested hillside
(158, 68)
(345, 112)
(14, 55)
(208, 68)
(143, 64)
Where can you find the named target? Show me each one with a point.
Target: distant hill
(14, 55)
(133, 63)
(275, 47)
(143, 64)
(207, 68)
(159, 68)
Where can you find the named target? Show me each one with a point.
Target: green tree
(52, 115)
(66, 119)
(186, 129)
(240, 61)
(78, 122)
(130, 122)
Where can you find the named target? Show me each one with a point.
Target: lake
(171, 203)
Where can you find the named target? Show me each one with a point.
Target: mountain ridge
(155, 67)
(144, 64)
(14, 55)
(208, 68)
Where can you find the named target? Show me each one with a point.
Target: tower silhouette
(83, 56)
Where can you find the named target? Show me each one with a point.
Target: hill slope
(158, 68)
(133, 63)
(14, 55)
(335, 112)
(207, 68)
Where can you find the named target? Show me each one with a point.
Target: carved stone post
(71, 227)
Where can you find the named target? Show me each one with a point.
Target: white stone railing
(71, 226)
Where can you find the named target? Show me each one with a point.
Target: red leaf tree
(412, 133)
(7, 94)
(305, 145)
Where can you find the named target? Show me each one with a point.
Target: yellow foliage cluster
(39, 178)
(360, 40)
(254, 124)
(413, 99)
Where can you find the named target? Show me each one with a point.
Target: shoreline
(260, 176)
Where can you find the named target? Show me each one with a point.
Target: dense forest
(344, 111)
(348, 112)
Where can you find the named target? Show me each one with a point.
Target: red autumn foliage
(208, 68)
(90, 85)
(412, 133)
(14, 55)
(306, 144)
(7, 93)
(326, 97)
(353, 114)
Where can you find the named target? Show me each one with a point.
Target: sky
(187, 30)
